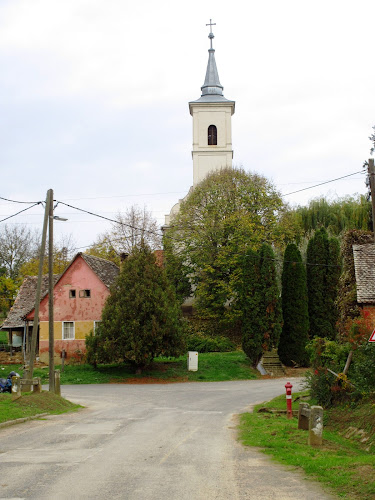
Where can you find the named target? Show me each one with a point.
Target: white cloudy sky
(94, 99)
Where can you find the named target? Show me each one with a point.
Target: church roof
(212, 90)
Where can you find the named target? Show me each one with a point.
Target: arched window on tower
(212, 135)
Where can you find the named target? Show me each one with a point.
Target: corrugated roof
(364, 265)
(25, 300)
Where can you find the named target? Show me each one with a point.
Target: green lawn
(212, 367)
(31, 404)
(342, 464)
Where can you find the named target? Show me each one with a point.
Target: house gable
(80, 278)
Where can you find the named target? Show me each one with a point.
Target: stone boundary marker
(311, 418)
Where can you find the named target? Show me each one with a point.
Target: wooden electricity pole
(371, 173)
(34, 334)
(51, 339)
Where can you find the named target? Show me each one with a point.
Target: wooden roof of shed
(25, 301)
(364, 265)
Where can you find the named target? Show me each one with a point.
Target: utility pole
(371, 173)
(38, 291)
(51, 339)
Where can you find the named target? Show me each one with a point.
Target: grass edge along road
(31, 404)
(342, 465)
(212, 367)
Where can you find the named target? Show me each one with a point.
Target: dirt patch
(148, 380)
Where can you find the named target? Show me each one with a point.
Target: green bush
(324, 386)
(203, 343)
(362, 369)
(327, 353)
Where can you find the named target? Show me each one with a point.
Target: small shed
(19, 330)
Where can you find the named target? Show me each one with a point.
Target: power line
(322, 183)
(111, 220)
(17, 201)
(24, 210)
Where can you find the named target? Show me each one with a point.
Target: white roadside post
(192, 361)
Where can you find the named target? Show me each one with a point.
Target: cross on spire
(211, 35)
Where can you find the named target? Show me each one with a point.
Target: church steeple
(212, 128)
(211, 83)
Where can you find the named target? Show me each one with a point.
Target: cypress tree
(323, 273)
(141, 317)
(294, 334)
(271, 314)
(317, 259)
(332, 284)
(250, 303)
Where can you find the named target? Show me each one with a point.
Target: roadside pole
(51, 339)
(38, 291)
(371, 173)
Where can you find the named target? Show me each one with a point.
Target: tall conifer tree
(271, 314)
(294, 334)
(250, 304)
(323, 272)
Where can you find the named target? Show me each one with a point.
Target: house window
(85, 294)
(68, 330)
(212, 135)
(72, 294)
(96, 324)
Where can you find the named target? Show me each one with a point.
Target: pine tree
(141, 318)
(271, 314)
(294, 334)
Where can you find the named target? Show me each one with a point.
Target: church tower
(212, 127)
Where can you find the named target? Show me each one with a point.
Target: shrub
(203, 343)
(362, 370)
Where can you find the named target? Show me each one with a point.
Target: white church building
(212, 127)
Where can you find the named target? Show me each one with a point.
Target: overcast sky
(94, 99)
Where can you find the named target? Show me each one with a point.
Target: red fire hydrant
(289, 412)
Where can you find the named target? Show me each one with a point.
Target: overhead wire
(24, 210)
(322, 183)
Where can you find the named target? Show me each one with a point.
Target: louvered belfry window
(212, 135)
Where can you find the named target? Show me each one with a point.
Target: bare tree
(18, 244)
(135, 226)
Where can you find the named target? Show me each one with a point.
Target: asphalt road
(141, 442)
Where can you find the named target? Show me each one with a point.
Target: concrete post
(316, 426)
(303, 420)
(26, 376)
(57, 383)
(16, 388)
(37, 387)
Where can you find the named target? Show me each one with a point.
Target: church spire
(211, 84)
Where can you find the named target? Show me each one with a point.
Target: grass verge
(31, 404)
(213, 367)
(345, 464)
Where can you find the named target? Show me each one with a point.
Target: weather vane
(211, 35)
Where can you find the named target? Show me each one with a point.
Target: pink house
(79, 297)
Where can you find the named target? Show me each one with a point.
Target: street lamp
(51, 335)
